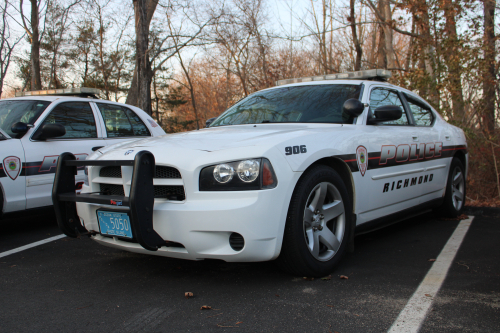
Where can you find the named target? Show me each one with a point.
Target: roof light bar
(83, 91)
(373, 74)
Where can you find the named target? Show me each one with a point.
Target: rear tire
(318, 225)
(454, 198)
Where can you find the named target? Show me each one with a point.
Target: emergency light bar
(369, 74)
(83, 92)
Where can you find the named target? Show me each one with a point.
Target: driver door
(386, 185)
(81, 137)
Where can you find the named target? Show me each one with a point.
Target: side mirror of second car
(209, 121)
(386, 113)
(353, 107)
(49, 131)
(20, 127)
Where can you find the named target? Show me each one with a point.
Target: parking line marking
(29, 246)
(414, 313)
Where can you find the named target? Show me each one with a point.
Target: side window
(421, 113)
(121, 122)
(137, 125)
(76, 117)
(381, 97)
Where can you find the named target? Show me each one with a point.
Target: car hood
(228, 137)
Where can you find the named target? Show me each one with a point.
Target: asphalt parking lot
(79, 286)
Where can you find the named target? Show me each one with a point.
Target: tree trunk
(357, 45)
(388, 34)
(36, 81)
(452, 59)
(489, 83)
(142, 63)
(133, 92)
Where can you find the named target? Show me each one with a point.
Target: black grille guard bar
(140, 202)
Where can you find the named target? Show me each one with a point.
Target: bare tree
(357, 44)
(143, 11)
(32, 29)
(6, 45)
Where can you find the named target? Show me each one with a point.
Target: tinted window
(25, 111)
(137, 125)
(121, 122)
(421, 113)
(382, 97)
(302, 104)
(76, 117)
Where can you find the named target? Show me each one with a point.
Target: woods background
(185, 61)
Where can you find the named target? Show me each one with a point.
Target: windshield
(299, 104)
(25, 111)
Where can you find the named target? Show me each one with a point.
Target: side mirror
(353, 107)
(20, 127)
(209, 121)
(48, 131)
(386, 113)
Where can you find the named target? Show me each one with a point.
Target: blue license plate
(114, 224)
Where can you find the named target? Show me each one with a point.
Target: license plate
(114, 224)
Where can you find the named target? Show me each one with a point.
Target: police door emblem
(12, 166)
(362, 159)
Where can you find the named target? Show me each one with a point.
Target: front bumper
(198, 228)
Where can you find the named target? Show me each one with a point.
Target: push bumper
(139, 204)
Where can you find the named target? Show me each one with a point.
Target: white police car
(288, 173)
(36, 128)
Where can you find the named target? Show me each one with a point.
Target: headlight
(250, 174)
(86, 177)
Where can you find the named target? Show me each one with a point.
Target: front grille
(166, 172)
(169, 192)
(236, 241)
(111, 172)
(112, 189)
(175, 193)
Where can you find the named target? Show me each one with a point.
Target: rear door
(82, 136)
(431, 139)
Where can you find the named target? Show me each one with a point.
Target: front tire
(318, 224)
(454, 198)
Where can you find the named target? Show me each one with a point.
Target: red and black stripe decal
(374, 158)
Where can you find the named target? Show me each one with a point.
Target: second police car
(39, 125)
(288, 173)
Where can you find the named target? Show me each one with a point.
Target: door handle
(447, 137)
(415, 138)
(96, 148)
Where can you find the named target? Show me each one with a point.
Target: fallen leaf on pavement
(428, 295)
(308, 278)
(188, 294)
(277, 295)
(329, 277)
(331, 306)
(432, 259)
(344, 277)
(206, 307)
(240, 322)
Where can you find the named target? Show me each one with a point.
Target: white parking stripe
(29, 246)
(414, 313)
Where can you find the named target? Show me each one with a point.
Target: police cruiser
(289, 173)
(37, 126)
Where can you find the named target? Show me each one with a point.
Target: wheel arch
(345, 173)
(461, 156)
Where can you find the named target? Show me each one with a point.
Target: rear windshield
(298, 104)
(24, 111)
